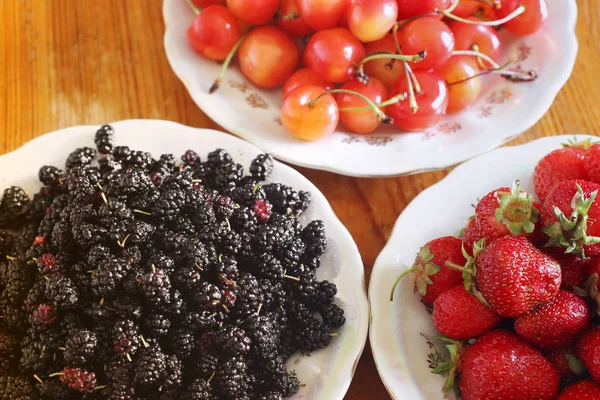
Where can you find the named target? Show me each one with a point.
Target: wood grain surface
(73, 62)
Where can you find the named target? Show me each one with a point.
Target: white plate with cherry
(458, 113)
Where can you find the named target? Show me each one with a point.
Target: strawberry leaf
(575, 365)
(516, 210)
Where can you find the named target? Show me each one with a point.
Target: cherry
(370, 20)
(428, 34)
(214, 32)
(361, 121)
(536, 12)
(333, 53)
(268, 56)
(304, 77)
(322, 14)
(206, 3)
(433, 102)
(413, 8)
(291, 22)
(464, 86)
(306, 119)
(255, 12)
(387, 71)
(468, 8)
(484, 38)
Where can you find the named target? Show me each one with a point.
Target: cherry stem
(384, 56)
(402, 275)
(195, 9)
(217, 83)
(478, 54)
(390, 101)
(516, 76)
(408, 69)
(452, 6)
(380, 114)
(518, 11)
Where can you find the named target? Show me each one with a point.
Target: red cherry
(206, 3)
(387, 71)
(294, 26)
(536, 13)
(310, 121)
(361, 121)
(333, 53)
(214, 32)
(468, 8)
(322, 14)
(432, 101)
(255, 12)
(485, 37)
(370, 20)
(304, 77)
(461, 95)
(428, 34)
(413, 8)
(268, 56)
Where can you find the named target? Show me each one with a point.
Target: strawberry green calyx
(575, 144)
(571, 232)
(448, 353)
(516, 210)
(575, 365)
(469, 270)
(423, 269)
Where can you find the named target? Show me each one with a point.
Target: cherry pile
(516, 298)
(364, 63)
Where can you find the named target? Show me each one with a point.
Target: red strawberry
(432, 277)
(558, 166)
(471, 235)
(593, 267)
(556, 323)
(514, 276)
(567, 365)
(507, 211)
(501, 366)
(573, 268)
(571, 217)
(457, 314)
(588, 351)
(584, 390)
(592, 163)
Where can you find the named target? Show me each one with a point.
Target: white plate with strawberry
(250, 104)
(516, 297)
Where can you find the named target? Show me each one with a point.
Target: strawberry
(573, 268)
(558, 166)
(567, 365)
(513, 276)
(571, 217)
(588, 351)
(471, 235)
(556, 323)
(584, 390)
(459, 315)
(592, 163)
(432, 277)
(593, 266)
(501, 366)
(507, 211)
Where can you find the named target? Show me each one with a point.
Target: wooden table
(73, 62)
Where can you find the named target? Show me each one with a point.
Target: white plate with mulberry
(141, 269)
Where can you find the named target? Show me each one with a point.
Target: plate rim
(569, 54)
(384, 255)
(363, 311)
